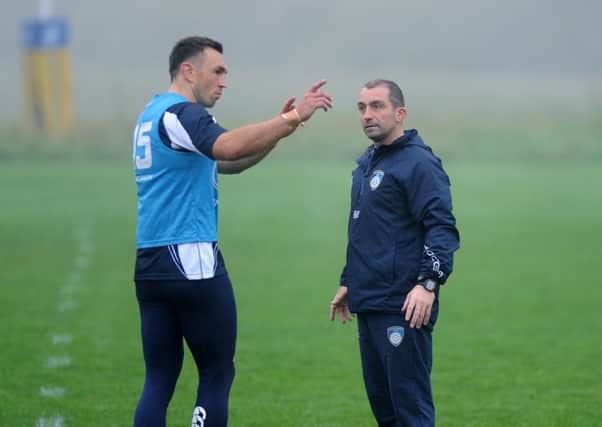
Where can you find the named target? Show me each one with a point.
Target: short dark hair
(187, 48)
(395, 93)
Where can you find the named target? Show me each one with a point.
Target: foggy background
(450, 58)
(508, 94)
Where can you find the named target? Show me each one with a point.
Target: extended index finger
(317, 85)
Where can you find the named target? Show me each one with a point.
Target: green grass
(518, 342)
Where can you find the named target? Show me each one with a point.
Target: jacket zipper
(366, 173)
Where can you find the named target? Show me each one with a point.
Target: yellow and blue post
(49, 105)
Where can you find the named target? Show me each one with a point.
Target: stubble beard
(379, 137)
(198, 96)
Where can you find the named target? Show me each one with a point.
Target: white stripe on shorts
(198, 260)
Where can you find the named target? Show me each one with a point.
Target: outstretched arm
(254, 139)
(231, 167)
(237, 166)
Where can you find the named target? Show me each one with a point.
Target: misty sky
(266, 41)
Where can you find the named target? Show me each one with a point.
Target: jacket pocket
(406, 263)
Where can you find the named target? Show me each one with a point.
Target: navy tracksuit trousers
(396, 365)
(203, 313)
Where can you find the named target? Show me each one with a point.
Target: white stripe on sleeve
(177, 134)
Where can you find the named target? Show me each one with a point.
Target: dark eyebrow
(221, 69)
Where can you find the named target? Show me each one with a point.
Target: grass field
(519, 337)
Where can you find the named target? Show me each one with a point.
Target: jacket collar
(409, 137)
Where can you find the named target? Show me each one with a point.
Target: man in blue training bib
(182, 285)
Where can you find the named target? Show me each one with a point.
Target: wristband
(292, 118)
(298, 116)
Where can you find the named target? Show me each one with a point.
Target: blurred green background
(508, 96)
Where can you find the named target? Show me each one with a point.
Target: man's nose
(366, 115)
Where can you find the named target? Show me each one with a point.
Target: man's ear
(186, 70)
(400, 114)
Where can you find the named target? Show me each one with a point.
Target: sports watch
(429, 284)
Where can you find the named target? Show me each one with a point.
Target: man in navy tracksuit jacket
(402, 237)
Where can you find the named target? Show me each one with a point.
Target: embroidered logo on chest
(376, 179)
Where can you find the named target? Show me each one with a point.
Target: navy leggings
(203, 313)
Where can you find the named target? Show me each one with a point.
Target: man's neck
(390, 140)
(178, 88)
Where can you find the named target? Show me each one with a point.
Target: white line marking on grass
(62, 339)
(69, 289)
(58, 362)
(67, 302)
(66, 305)
(87, 246)
(81, 262)
(47, 391)
(83, 233)
(74, 278)
(57, 421)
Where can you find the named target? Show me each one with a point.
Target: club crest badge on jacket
(376, 179)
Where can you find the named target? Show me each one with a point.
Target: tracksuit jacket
(401, 225)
